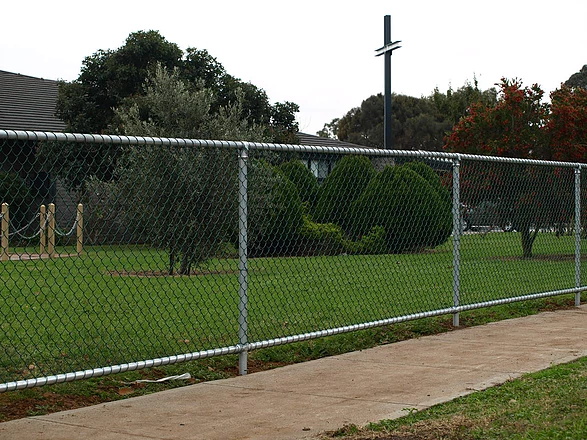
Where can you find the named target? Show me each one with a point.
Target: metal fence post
(578, 234)
(456, 237)
(243, 255)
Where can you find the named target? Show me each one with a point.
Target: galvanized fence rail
(183, 249)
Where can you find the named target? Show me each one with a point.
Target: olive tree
(179, 198)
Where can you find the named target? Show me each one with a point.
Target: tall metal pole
(387, 49)
(387, 61)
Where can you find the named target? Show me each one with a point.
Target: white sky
(319, 53)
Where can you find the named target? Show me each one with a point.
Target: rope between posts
(66, 234)
(18, 232)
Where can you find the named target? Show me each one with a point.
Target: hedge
(303, 179)
(412, 212)
(275, 212)
(341, 188)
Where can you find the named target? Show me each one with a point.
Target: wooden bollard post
(51, 231)
(43, 230)
(5, 228)
(80, 228)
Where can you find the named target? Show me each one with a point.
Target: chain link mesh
(123, 253)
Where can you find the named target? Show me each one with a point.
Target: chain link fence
(121, 253)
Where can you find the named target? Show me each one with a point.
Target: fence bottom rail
(237, 349)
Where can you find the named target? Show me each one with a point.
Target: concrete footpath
(301, 401)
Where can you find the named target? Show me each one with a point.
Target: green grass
(549, 405)
(83, 312)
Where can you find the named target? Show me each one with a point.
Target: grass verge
(549, 404)
(49, 399)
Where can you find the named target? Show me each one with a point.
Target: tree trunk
(171, 260)
(528, 238)
(186, 265)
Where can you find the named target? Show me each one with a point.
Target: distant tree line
(417, 123)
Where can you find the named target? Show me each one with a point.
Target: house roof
(318, 141)
(28, 103)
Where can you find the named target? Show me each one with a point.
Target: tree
(410, 208)
(578, 79)
(305, 182)
(179, 199)
(109, 77)
(330, 129)
(275, 212)
(520, 125)
(417, 123)
(344, 184)
(87, 104)
(455, 104)
(567, 124)
(15, 192)
(513, 127)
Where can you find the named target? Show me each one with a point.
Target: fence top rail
(181, 142)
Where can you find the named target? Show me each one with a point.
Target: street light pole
(386, 51)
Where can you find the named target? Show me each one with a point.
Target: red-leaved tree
(521, 125)
(567, 124)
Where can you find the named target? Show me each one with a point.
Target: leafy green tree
(275, 212)
(330, 129)
(578, 79)
(413, 213)
(344, 184)
(303, 179)
(282, 123)
(110, 77)
(417, 123)
(182, 199)
(455, 104)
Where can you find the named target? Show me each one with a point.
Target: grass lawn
(108, 306)
(547, 405)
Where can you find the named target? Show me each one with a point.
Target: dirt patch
(542, 257)
(27, 257)
(164, 273)
(453, 428)
(42, 402)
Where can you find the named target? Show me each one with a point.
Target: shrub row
(356, 210)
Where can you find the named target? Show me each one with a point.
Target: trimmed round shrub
(321, 238)
(15, 192)
(275, 212)
(434, 180)
(411, 212)
(303, 179)
(426, 172)
(341, 188)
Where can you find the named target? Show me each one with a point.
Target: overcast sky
(316, 53)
